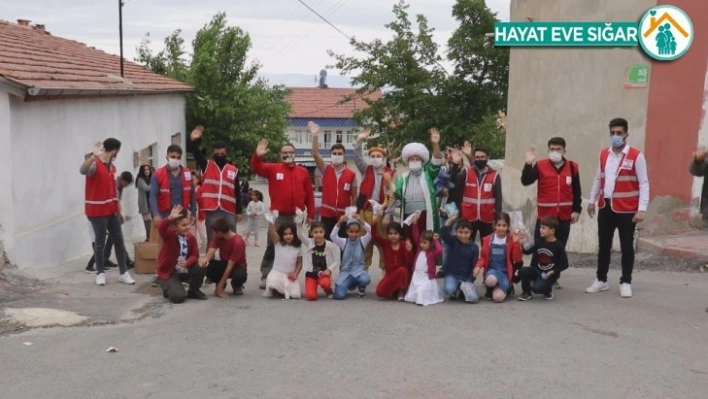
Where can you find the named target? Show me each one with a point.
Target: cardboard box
(145, 257)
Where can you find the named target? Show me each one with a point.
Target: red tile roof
(316, 102)
(31, 57)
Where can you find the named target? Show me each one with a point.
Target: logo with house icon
(666, 33)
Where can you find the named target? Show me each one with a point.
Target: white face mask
(377, 162)
(337, 160)
(555, 156)
(174, 163)
(415, 166)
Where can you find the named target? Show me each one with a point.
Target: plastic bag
(376, 207)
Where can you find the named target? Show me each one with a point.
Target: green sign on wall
(637, 76)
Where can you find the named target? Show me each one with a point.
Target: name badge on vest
(347, 186)
(568, 180)
(231, 174)
(627, 164)
(487, 187)
(279, 176)
(188, 176)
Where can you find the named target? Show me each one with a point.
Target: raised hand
(467, 148)
(363, 135)
(313, 127)
(262, 148)
(434, 136)
(197, 133)
(531, 155)
(455, 157)
(176, 212)
(97, 149)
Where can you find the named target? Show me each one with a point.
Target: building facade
(575, 92)
(57, 98)
(333, 110)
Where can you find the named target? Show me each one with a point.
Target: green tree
(420, 93)
(229, 99)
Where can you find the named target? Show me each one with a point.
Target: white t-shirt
(285, 258)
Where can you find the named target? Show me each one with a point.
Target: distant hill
(303, 80)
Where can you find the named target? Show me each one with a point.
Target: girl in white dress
(424, 289)
(287, 263)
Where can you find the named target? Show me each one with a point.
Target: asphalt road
(654, 345)
(578, 345)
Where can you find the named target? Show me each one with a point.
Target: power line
(324, 19)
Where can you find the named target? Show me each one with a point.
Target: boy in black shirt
(550, 260)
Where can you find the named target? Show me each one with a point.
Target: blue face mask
(617, 141)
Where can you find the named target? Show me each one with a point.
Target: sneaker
(101, 279)
(401, 296)
(362, 292)
(330, 296)
(238, 290)
(263, 284)
(126, 279)
(90, 270)
(196, 294)
(489, 294)
(625, 290)
(597, 286)
(207, 281)
(548, 295)
(525, 297)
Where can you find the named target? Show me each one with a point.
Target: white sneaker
(597, 286)
(126, 279)
(101, 279)
(625, 290)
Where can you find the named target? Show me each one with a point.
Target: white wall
(7, 220)
(49, 142)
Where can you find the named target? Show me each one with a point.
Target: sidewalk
(689, 246)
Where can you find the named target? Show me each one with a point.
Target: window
(327, 139)
(339, 137)
(351, 138)
(146, 155)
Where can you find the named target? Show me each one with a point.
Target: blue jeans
(444, 244)
(350, 283)
(452, 283)
(502, 279)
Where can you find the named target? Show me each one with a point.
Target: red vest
(625, 198)
(101, 195)
(478, 197)
(219, 187)
(367, 185)
(336, 195)
(554, 196)
(164, 198)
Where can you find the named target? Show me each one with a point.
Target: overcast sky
(287, 38)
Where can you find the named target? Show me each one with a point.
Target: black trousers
(607, 222)
(540, 286)
(484, 229)
(329, 224)
(216, 270)
(173, 289)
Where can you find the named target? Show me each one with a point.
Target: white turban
(415, 149)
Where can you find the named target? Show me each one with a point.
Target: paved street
(580, 346)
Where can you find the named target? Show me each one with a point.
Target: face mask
(337, 160)
(288, 159)
(220, 160)
(555, 156)
(174, 163)
(377, 162)
(480, 163)
(415, 166)
(617, 141)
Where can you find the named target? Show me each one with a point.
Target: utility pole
(120, 32)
